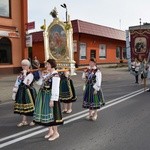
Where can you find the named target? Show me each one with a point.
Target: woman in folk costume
(24, 93)
(67, 92)
(47, 107)
(92, 90)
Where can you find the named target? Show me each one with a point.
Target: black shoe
(103, 104)
(148, 90)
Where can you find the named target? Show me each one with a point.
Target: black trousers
(136, 77)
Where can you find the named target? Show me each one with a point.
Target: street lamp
(65, 6)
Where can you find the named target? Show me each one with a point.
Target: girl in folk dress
(47, 108)
(67, 92)
(92, 91)
(24, 94)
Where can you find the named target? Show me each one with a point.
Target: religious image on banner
(57, 41)
(140, 45)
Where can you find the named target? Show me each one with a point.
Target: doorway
(93, 53)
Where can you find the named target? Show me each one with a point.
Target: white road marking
(73, 118)
(20, 133)
(116, 99)
(104, 107)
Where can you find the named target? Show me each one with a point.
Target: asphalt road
(122, 124)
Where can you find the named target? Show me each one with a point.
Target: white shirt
(55, 87)
(137, 66)
(97, 85)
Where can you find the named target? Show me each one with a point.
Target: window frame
(9, 11)
(75, 46)
(119, 52)
(124, 53)
(83, 52)
(100, 51)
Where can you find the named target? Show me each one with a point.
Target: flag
(30, 25)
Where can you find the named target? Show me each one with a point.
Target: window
(118, 51)
(74, 46)
(102, 51)
(5, 8)
(5, 51)
(124, 53)
(82, 51)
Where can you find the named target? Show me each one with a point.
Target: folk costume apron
(91, 99)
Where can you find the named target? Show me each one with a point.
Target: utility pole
(65, 6)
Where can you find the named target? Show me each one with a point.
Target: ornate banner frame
(58, 44)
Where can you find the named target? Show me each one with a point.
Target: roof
(98, 30)
(88, 28)
(37, 36)
(144, 26)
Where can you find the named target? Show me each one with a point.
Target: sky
(118, 14)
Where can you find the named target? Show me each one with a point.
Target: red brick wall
(38, 50)
(19, 11)
(93, 42)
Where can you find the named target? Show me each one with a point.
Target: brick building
(13, 18)
(105, 44)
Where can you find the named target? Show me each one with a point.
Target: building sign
(30, 25)
(4, 33)
(28, 40)
(9, 34)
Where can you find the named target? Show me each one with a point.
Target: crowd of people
(57, 92)
(55, 95)
(140, 69)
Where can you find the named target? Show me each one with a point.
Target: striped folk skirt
(67, 91)
(92, 100)
(24, 101)
(44, 114)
